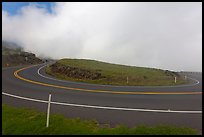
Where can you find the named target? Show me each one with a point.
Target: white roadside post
(185, 77)
(127, 80)
(175, 79)
(48, 111)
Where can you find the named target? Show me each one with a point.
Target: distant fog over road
(160, 35)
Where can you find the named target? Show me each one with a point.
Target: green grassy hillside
(92, 71)
(19, 121)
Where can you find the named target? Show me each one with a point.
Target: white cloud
(163, 35)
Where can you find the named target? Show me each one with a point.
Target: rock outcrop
(75, 72)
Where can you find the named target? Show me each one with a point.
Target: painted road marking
(104, 107)
(97, 91)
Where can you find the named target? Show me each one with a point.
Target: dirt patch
(75, 72)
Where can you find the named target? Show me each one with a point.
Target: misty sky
(160, 35)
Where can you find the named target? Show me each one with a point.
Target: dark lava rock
(75, 72)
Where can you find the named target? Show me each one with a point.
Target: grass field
(21, 121)
(117, 74)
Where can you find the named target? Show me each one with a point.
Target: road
(129, 105)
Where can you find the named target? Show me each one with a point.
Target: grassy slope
(117, 74)
(18, 121)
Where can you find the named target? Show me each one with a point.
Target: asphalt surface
(176, 102)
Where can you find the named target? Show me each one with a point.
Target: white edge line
(197, 82)
(24, 98)
(101, 107)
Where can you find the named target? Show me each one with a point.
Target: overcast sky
(159, 35)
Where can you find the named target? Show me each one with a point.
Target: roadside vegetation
(97, 72)
(21, 121)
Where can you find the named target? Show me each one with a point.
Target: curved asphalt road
(116, 97)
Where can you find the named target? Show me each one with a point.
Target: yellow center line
(89, 90)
